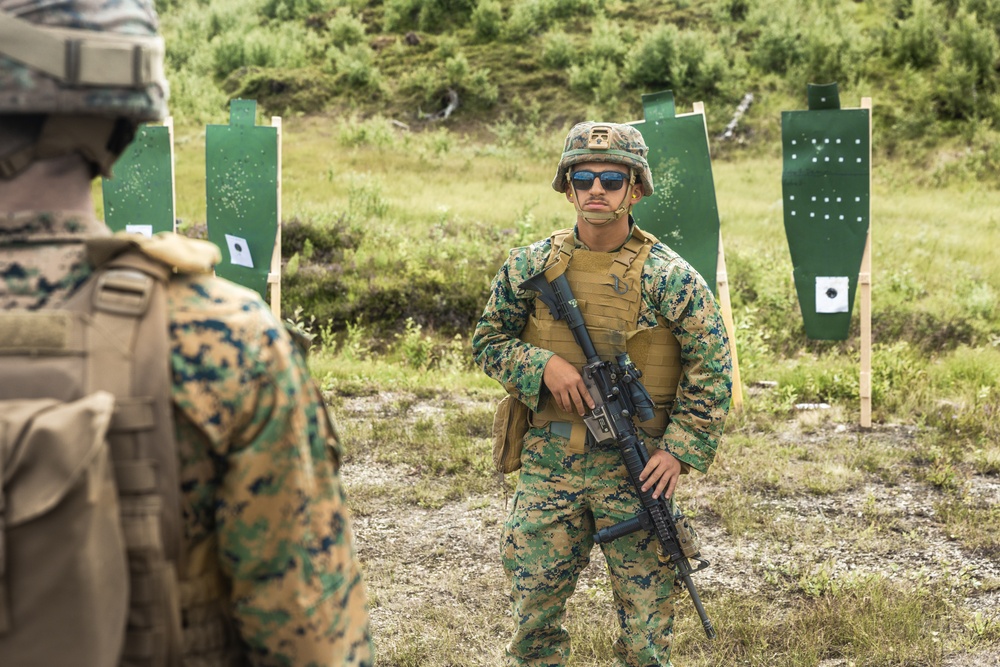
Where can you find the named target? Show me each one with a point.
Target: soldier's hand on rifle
(566, 386)
(662, 470)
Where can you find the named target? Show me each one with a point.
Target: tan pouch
(510, 423)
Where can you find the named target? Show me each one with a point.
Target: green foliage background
(931, 64)
(395, 224)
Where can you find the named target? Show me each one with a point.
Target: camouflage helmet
(89, 57)
(605, 142)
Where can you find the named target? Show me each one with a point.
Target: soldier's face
(599, 186)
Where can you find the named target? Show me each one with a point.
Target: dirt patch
(435, 556)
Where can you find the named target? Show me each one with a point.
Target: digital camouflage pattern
(23, 90)
(262, 497)
(670, 288)
(621, 144)
(562, 499)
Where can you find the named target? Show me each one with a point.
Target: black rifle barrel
(558, 296)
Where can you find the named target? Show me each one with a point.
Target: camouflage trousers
(561, 500)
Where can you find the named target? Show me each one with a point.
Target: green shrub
(569, 9)
(480, 88)
(426, 15)
(487, 19)
(558, 50)
(284, 10)
(655, 61)
(345, 29)
(779, 45)
(355, 64)
(447, 47)
(975, 46)
(705, 69)
(606, 43)
(429, 83)
(987, 11)
(527, 18)
(456, 70)
(918, 38)
(287, 45)
(401, 15)
(586, 78)
(831, 50)
(831, 378)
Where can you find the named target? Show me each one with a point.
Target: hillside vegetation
(833, 546)
(930, 65)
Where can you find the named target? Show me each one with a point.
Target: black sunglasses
(610, 180)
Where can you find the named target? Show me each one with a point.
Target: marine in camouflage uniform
(569, 487)
(268, 544)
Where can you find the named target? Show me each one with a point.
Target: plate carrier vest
(608, 290)
(90, 520)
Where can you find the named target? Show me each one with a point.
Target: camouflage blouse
(671, 289)
(261, 492)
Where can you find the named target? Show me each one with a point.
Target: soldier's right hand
(566, 385)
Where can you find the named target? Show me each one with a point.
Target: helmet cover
(605, 142)
(27, 90)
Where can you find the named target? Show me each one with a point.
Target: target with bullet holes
(682, 212)
(826, 181)
(139, 196)
(241, 186)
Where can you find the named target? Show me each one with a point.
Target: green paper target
(826, 202)
(139, 196)
(241, 184)
(682, 212)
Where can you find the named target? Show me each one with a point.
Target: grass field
(831, 546)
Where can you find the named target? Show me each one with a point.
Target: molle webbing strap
(129, 356)
(561, 253)
(624, 259)
(608, 289)
(84, 57)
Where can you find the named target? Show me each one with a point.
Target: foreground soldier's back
(268, 570)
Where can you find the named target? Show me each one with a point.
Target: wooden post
(722, 283)
(169, 124)
(865, 292)
(274, 276)
(722, 286)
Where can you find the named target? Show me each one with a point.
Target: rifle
(619, 396)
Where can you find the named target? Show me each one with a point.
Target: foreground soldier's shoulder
(206, 294)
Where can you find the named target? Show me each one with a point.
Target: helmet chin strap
(600, 218)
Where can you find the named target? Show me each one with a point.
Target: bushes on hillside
(595, 52)
(426, 15)
(917, 41)
(284, 10)
(487, 19)
(686, 61)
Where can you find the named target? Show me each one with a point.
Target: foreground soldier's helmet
(75, 58)
(605, 142)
